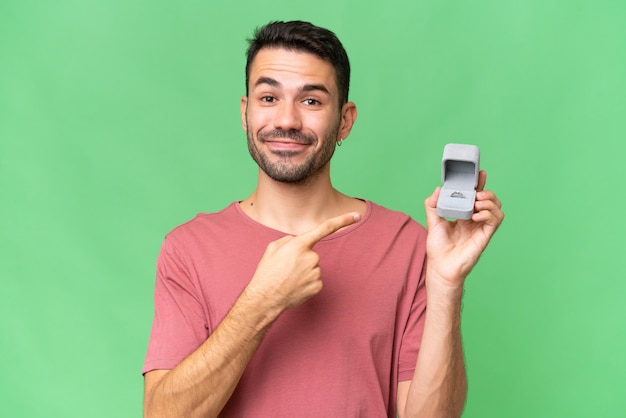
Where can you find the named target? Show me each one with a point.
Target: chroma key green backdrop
(120, 120)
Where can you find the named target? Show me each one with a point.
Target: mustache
(290, 134)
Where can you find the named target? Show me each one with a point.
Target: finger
(488, 195)
(326, 228)
(431, 201)
(430, 207)
(489, 212)
(485, 205)
(492, 219)
(482, 179)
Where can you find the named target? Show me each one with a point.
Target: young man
(301, 301)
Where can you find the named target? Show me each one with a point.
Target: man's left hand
(453, 247)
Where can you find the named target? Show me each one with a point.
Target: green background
(119, 120)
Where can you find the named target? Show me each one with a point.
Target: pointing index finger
(328, 227)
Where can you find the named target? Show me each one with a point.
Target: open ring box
(459, 173)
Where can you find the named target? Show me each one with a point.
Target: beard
(279, 165)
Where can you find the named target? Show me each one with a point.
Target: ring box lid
(459, 166)
(459, 174)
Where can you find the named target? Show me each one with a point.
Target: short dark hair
(304, 37)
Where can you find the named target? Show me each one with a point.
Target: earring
(339, 142)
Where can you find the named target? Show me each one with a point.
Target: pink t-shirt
(341, 353)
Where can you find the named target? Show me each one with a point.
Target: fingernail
(357, 216)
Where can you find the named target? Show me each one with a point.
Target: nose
(287, 117)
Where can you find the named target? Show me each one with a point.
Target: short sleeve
(179, 326)
(412, 336)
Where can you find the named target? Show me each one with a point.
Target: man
(301, 301)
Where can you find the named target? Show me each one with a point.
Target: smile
(283, 144)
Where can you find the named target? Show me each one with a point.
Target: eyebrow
(315, 87)
(267, 80)
(306, 88)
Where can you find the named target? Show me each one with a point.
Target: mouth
(282, 144)
(286, 138)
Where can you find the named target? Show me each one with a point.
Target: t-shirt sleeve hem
(159, 364)
(406, 375)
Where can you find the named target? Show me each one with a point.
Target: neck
(295, 208)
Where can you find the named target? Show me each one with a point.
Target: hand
(453, 248)
(288, 273)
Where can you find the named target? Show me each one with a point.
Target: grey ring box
(459, 173)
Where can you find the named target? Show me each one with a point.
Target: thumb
(430, 207)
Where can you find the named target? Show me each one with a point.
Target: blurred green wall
(120, 120)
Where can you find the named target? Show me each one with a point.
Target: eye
(268, 99)
(312, 102)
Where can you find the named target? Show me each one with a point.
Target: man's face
(291, 115)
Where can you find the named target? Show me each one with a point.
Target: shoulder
(383, 216)
(206, 224)
(386, 227)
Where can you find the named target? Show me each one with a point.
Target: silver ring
(456, 193)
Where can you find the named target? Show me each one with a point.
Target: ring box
(459, 173)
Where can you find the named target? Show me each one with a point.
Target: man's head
(303, 37)
(295, 109)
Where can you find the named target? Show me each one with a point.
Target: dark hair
(304, 37)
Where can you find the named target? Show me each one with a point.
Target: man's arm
(204, 381)
(439, 384)
(287, 276)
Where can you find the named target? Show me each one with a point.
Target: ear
(243, 107)
(348, 117)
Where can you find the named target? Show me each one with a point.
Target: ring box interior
(459, 173)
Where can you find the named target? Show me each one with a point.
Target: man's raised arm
(439, 386)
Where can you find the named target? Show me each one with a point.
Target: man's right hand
(289, 273)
